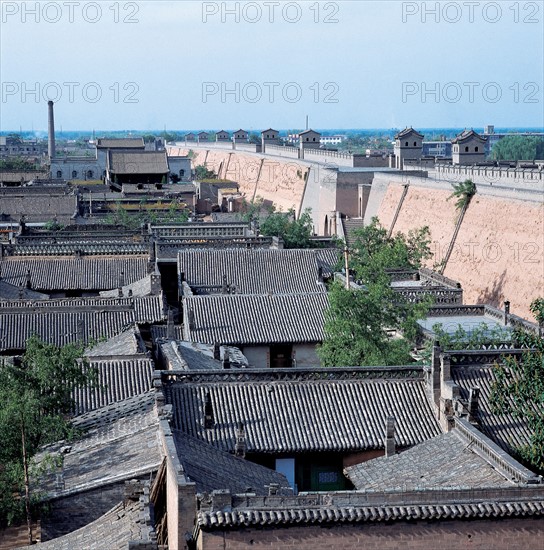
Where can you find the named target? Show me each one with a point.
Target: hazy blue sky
(346, 64)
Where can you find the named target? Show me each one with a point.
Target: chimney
(121, 279)
(217, 351)
(28, 285)
(51, 131)
(209, 421)
(434, 378)
(240, 447)
(152, 257)
(225, 287)
(506, 311)
(390, 436)
(473, 401)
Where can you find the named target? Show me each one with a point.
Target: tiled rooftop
(318, 410)
(255, 319)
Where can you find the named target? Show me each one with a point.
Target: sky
(148, 65)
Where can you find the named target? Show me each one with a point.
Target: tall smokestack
(51, 130)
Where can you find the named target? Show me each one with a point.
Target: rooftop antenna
(306, 122)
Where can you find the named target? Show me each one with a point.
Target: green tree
(518, 148)
(202, 173)
(295, 232)
(35, 401)
(463, 192)
(519, 390)
(362, 326)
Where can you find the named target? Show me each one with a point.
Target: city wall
(286, 183)
(499, 251)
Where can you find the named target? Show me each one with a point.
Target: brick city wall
(454, 535)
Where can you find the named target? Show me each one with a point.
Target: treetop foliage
(35, 403)
(463, 192)
(295, 232)
(362, 326)
(518, 390)
(519, 148)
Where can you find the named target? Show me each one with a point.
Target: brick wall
(454, 535)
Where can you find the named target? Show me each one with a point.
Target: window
(59, 173)
(89, 173)
(406, 144)
(74, 173)
(181, 173)
(466, 149)
(476, 149)
(314, 139)
(415, 143)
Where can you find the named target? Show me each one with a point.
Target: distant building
(137, 167)
(468, 148)
(222, 136)
(441, 149)
(190, 137)
(493, 137)
(333, 140)
(10, 146)
(203, 136)
(310, 139)
(240, 135)
(180, 168)
(408, 146)
(270, 136)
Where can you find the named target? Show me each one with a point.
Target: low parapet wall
(527, 178)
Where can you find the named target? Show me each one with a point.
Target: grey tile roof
(407, 132)
(78, 319)
(327, 259)
(252, 271)
(182, 355)
(213, 469)
(117, 379)
(91, 247)
(350, 507)
(39, 208)
(13, 292)
(350, 226)
(120, 143)
(137, 162)
(255, 319)
(128, 342)
(444, 461)
(466, 135)
(112, 531)
(161, 331)
(142, 287)
(506, 430)
(85, 273)
(120, 442)
(296, 411)
(133, 411)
